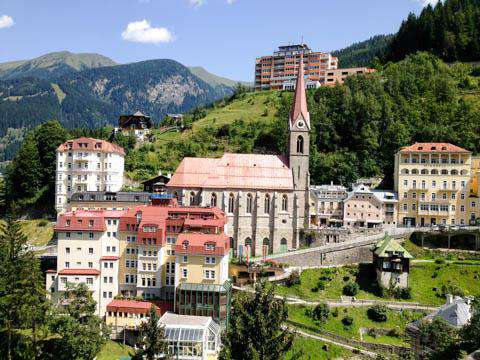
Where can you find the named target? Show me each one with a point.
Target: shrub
(346, 278)
(377, 313)
(293, 279)
(347, 321)
(335, 313)
(320, 312)
(440, 261)
(320, 285)
(43, 223)
(351, 289)
(406, 293)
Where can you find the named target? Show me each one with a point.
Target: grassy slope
(114, 351)
(37, 235)
(396, 320)
(251, 107)
(307, 349)
(422, 280)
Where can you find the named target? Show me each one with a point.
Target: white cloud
(428, 2)
(6, 21)
(196, 3)
(143, 32)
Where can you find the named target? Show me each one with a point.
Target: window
(231, 203)
(249, 203)
(185, 259)
(284, 202)
(63, 280)
(67, 264)
(192, 198)
(184, 273)
(90, 235)
(105, 279)
(171, 239)
(210, 260)
(209, 274)
(210, 246)
(213, 200)
(266, 204)
(67, 250)
(90, 264)
(300, 144)
(67, 235)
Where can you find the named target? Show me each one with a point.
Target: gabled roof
(299, 106)
(433, 148)
(234, 171)
(389, 245)
(90, 144)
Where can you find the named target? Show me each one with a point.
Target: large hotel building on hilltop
(279, 71)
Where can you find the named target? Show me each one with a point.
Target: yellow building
(434, 185)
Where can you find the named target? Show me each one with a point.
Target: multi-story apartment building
(147, 251)
(434, 185)
(87, 164)
(279, 71)
(327, 203)
(334, 76)
(369, 208)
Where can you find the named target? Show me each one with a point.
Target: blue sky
(224, 36)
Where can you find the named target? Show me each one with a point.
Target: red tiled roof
(103, 258)
(79, 272)
(299, 106)
(433, 147)
(197, 241)
(234, 171)
(80, 220)
(91, 145)
(51, 271)
(139, 307)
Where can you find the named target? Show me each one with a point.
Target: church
(265, 197)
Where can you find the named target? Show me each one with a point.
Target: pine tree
(152, 339)
(22, 296)
(255, 330)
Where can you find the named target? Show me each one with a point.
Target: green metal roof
(388, 247)
(202, 287)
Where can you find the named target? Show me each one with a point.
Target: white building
(87, 164)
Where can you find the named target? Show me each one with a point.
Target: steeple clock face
(300, 124)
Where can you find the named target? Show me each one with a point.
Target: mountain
(449, 30)
(53, 65)
(217, 82)
(362, 53)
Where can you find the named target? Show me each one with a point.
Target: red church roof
(299, 106)
(234, 171)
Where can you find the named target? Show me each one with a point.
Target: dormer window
(209, 246)
(67, 223)
(90, 223)
(139, 216)
(149, 228)
(185, 244)
(420, 148)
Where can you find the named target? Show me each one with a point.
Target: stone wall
(348, 255)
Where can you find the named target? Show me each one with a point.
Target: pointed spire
(299, 106)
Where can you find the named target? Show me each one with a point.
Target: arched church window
(300, 144)
(231, 203)
(213, 200)
(267, 204)
(249, 203)
(284, 202)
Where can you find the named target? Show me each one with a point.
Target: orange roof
(299, 106)
(234, 171)
(106, 258)
(433, 147)
(79, 272)
(197, 241)
(86, 220)
(138, 307)
(90, 144)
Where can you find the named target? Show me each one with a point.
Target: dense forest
(362, 53)
(450, 30)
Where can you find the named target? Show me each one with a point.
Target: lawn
(396, 321)
(114, 351)
(38, 232)
(428, 281)
(309, 349)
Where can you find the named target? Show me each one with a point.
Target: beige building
(334, 76)
(369, 208)
(327, 201)
(434, 186)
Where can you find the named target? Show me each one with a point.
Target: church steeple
(299, 106)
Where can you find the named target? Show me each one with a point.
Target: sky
(223, 36)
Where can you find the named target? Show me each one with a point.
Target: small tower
(299, 152)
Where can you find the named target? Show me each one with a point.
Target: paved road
(334, 342)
